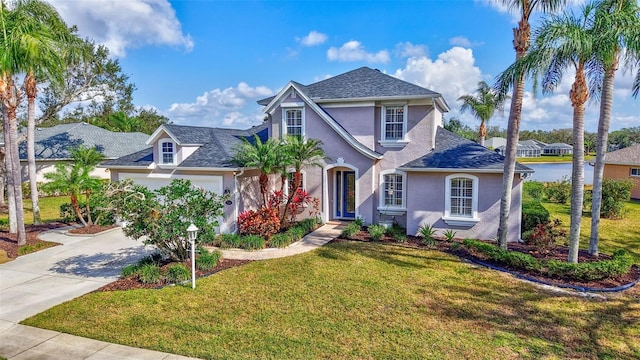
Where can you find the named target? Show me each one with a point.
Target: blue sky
(207, 62)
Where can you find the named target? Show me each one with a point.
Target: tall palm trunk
(264, 188)
(31, 89)
(521, 40)
(482, 133)
(579, 95)
(87, 206)
(13, 220)
(606, 104)
(76, 207)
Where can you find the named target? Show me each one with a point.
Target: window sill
(393, 143)
(167, 166)
(392, 211)
(460, 221)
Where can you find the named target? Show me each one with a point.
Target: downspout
(236, 197)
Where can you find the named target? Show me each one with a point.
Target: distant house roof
(494, 142)
(215, 150)
(55, 142)
(626, 156)
(558, 146)
(362, 83)
(454, 153)
(534, 142)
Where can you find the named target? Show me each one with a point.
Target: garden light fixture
(192, 231)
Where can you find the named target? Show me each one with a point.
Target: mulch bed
(558, 253)
(9, 242)
(133, 282)
(91, 229)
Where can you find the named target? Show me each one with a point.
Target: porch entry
(345, 199)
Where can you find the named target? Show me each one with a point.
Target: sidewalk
(36, 282)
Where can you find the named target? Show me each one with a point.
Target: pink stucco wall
(426, 205)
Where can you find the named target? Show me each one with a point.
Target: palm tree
(70, 180)
(45, 36)
(88, 159)
(617, 26)
(265, 156)
(521, 42)
(483, 106)
(562, 42)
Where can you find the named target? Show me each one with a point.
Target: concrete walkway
(36, 282)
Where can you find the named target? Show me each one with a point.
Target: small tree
(162, 216)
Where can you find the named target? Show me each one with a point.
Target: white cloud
(231, 107)
(354, 51)
(122, 25)
(313, 38)
(452, 74)
(407, 49)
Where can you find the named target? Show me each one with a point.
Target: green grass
(357, 300)
(551, 159)
(614, 234)
(49, 209)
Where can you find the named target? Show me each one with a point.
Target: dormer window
(393, 126)
(294, 122)
(167, 152)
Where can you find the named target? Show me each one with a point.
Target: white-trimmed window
(167, 150)
(393, 125)
(461, 199)
(635, 172)
(294, 123)
(393, 190)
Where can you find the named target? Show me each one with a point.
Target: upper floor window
(294, 122)
(461, 197)
(393, 189)
(393, 125)
(635, 172)
(167, 152)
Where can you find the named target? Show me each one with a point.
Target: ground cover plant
(383, 300)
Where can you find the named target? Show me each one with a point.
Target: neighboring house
(389, 159)
(52, 146)
(495, 142)
(624, 164)
(558, 149)
(526, 149)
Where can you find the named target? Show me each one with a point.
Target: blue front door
(346, 194)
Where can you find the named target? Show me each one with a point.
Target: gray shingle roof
(456, 153)
(55, 142)
(215, 151)
(628, 156)
(363, 82)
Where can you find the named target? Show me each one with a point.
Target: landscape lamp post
(192, 231)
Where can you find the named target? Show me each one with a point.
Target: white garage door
(211, 183)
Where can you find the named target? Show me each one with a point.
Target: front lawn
(357, 300)
(551, 159)
(49, 209)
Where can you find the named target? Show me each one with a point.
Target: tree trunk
(88, 207)
(264, 188)
(579, 95)
(482, 133)
(76, 208)
(521, 36)
(12, 100)
(13, 220)
(30, 86)
(606, 104)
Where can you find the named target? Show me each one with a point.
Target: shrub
(359, 221)
(558, 191)
(427, 233)
(295, 233)
(264, 222)
(178, 273)
(449, 235)
(350, 230)
(208, 260)
(545, 236)
(129, 270)
(308, 224)
(399, 236)
(252, 242)
(533, 190)
(149, 273)
(28, 248)
(533, 213)
(227, 241)
(614, 195)
(376, 231)
(280, 240)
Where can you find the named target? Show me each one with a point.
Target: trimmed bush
(252, 242)
(178, 273)
(376, 231)
(533, 190)
(296, 233)
(350, 230)
(308, 224)
(208, 260)
(264, 222)
(280, 240)
(614, 195)
(619, 264)
(227, 241)
(533, 213)
(149, 273)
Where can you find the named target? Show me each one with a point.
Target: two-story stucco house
(389, 159)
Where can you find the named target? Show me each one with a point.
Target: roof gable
(626, 156)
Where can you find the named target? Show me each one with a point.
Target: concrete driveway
(36, 282)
